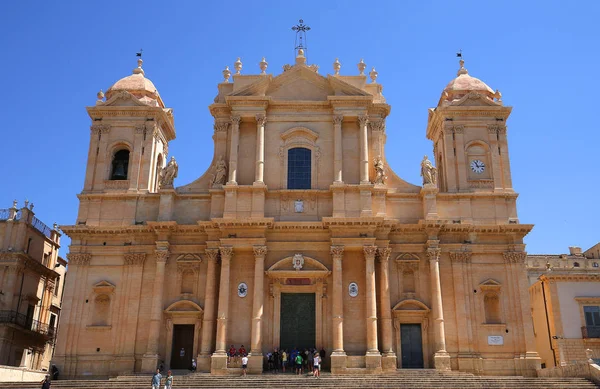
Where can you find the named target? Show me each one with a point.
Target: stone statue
(168, 174)
(380, 176)
(428, 172)
(221, 174)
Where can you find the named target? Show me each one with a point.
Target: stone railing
(590, 371)
(41, 227)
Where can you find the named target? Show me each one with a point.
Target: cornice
(243, 222)
(575, 277)
(352, 221)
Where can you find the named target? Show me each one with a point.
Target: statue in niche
(221, 173)
(380, 176)
(168, 174)
(428, 172)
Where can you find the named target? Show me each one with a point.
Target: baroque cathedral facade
(298, 235)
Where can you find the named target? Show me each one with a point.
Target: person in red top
(231, 353)
(242, 351)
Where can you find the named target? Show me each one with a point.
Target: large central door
(412, 346)
(183, 346)
(297, 321)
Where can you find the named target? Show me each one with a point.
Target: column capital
(363, 120)
(226, 252)
(337, 252)
(460, 256)
(261, 119)
(433, 253)
(221, 126)
(135, 258)
(79, 258)
(235, 120)
(514, 256)
(161, 255)
(212, 254)
(383, 253)
(337, 119)
(377, 125)
(259, 251)
(370, 251)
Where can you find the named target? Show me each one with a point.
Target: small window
(592, 316)
(299, 168)
(575, 264)
(120, 165)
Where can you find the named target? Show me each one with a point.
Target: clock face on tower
(477, 166)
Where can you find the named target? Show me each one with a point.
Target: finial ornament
(361, 67)
(336, 67)
(226, 74)
(238, 66)
(498, 96)
(263, 66)
(100, 95)
(14, 204)
(139, 69)
(373, 74)
(462, 69)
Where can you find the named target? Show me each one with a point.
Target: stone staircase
(401, 379)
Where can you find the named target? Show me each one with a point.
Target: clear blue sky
(542, 55)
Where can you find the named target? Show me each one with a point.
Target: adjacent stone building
(565, 302)
(299, 234)
(31, 286)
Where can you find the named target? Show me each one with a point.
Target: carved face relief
(298, 261)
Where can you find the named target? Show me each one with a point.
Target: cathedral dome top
(464, 83)
(139, 86)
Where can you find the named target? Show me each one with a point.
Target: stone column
(151, 357)
(260, 148)
(385, 309)
(208, 325)
(258, 308)
(219, 358)
(337, 149)
(338, 356)
(373, 357)
(233, 149)
(363, 121)
(9, 288)
(441, 357)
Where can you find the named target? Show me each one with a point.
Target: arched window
(101, 310)
(491, 303)
(299, 169)
(408, 281)
(187, 282)
(120, 165)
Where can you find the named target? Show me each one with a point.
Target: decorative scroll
(79, 259)
(134, 258)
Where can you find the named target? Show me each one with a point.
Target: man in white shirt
(244, 365)
(316, 365)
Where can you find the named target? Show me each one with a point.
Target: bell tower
(130, 134)
(468, 130)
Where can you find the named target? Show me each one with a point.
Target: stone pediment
(103, 287)
(123, 99)
(302, 84)
(183, 307)
(287, 267)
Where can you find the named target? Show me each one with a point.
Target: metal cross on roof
(301, 30)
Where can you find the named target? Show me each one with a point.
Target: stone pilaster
(261, 120)
(233, 149)
(441, 357)
(337, 149)
(219, 358)
(338, 356)
(363, 121)
(388, 362)
(208, 325)
(151, 357)
(257, 309)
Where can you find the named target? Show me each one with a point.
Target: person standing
(284, 359)
(156, 379)
(244, 365)
(299, 364)
(46, 382)
(316, 365)
(169, 380)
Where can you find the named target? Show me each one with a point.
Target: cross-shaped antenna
(459, 54)
(139, 53)
(301, 30)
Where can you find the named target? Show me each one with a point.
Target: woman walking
(169, 380)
